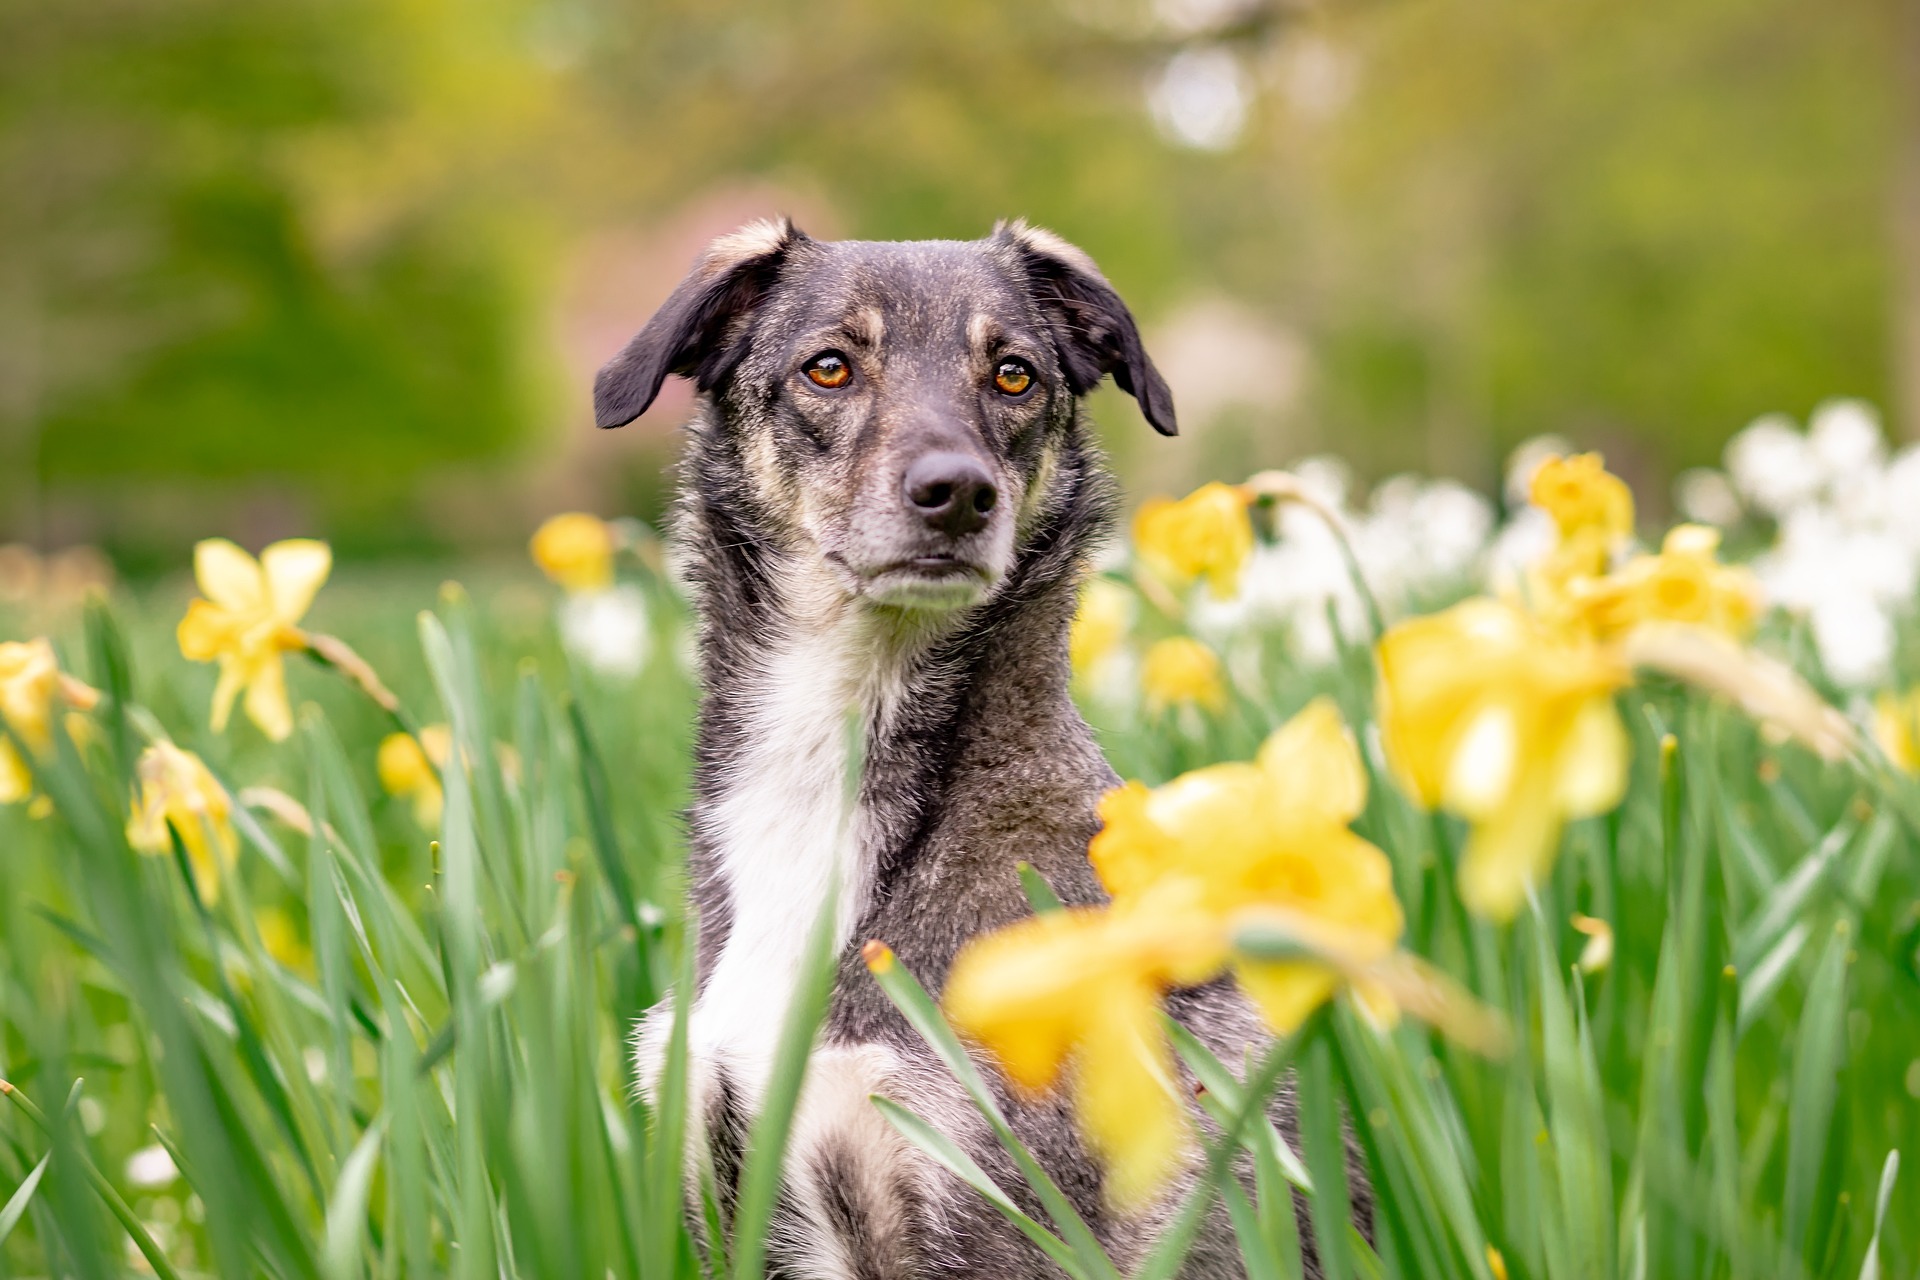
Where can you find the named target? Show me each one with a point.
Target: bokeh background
(345, 267)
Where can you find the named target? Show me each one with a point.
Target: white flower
(1522, 542)
(151, 1167)
(607, 631)
(1773, 466)
(1845, 438)
(1706, 496)
(1855, 639)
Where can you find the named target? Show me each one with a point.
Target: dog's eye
(1013, 377)
(829, 369)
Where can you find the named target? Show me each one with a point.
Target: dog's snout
(952, 492)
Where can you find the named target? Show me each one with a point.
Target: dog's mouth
(927, 582)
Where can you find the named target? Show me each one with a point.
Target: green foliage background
(312, 251)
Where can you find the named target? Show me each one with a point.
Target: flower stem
(332, 651)
(1282, 486)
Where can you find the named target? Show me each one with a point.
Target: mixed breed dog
(887, 505)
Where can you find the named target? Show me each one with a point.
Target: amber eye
(1013, 377)
(829, 369)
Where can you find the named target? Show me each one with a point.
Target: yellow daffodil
(576, 551)
(1684, 583)
(1086, 985)
(1101, 625)
(1186, 863)
(1581, 494)
(176, 790)
(410, 769)
(1896, 727)
(1486, 712)
(1271, 834)
(32, 687)
(1180, 671)
(1205, 534)
(249, 619)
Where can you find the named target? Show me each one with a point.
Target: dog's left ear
(691, 332)
(1093, 329)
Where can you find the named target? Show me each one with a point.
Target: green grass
(444, 1088)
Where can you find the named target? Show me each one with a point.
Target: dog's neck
(834, 736)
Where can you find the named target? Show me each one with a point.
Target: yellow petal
(294, 571)
(1313, 765)
(206, 632)
(1127, 1096)
(233, 678)
(1481, 774)
(1592, 764)
(267, 699)
(1130, 850)
(229, 576)
(1286, 991)
(16, 783)
(1508, 849)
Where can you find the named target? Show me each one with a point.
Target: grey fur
(981, 759)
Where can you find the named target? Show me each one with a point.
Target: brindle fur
(790, 508)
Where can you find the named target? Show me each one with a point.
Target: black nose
(951, 492)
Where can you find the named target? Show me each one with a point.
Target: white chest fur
(785, 828)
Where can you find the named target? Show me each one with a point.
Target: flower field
(1573, 861)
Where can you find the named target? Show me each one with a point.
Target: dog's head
(897, 409)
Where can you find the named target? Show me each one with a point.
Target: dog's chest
(783, 833)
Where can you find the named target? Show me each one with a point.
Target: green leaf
(952, 1157)
(22, 1197)
(1811, 1098)
(340, 1255)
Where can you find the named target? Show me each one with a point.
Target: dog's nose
(951, 492)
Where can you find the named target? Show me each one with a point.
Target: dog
(887, 506)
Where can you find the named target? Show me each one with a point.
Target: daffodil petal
(1592, 764)
(205, 632)
(1480, 776)
(1286, 991)
(266, 702)
(228, 576)
(1507, 850)
(1127, 1097)
(1312, 764)
(233, 678)
(294, 571)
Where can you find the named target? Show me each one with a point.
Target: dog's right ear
(690, 333)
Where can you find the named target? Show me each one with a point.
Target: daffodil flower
(1204, 535)
(175, 790)
(1186, 864)
(1593, 511)
(1486, 712)
(1085, 986)
(576, 551)
(32, 687)
(1685, 583)
(1272, 833)
(410, 769)
(249, 619)
(1180, 671)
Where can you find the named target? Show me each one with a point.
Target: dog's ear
(1092, 328)
(690, 333)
